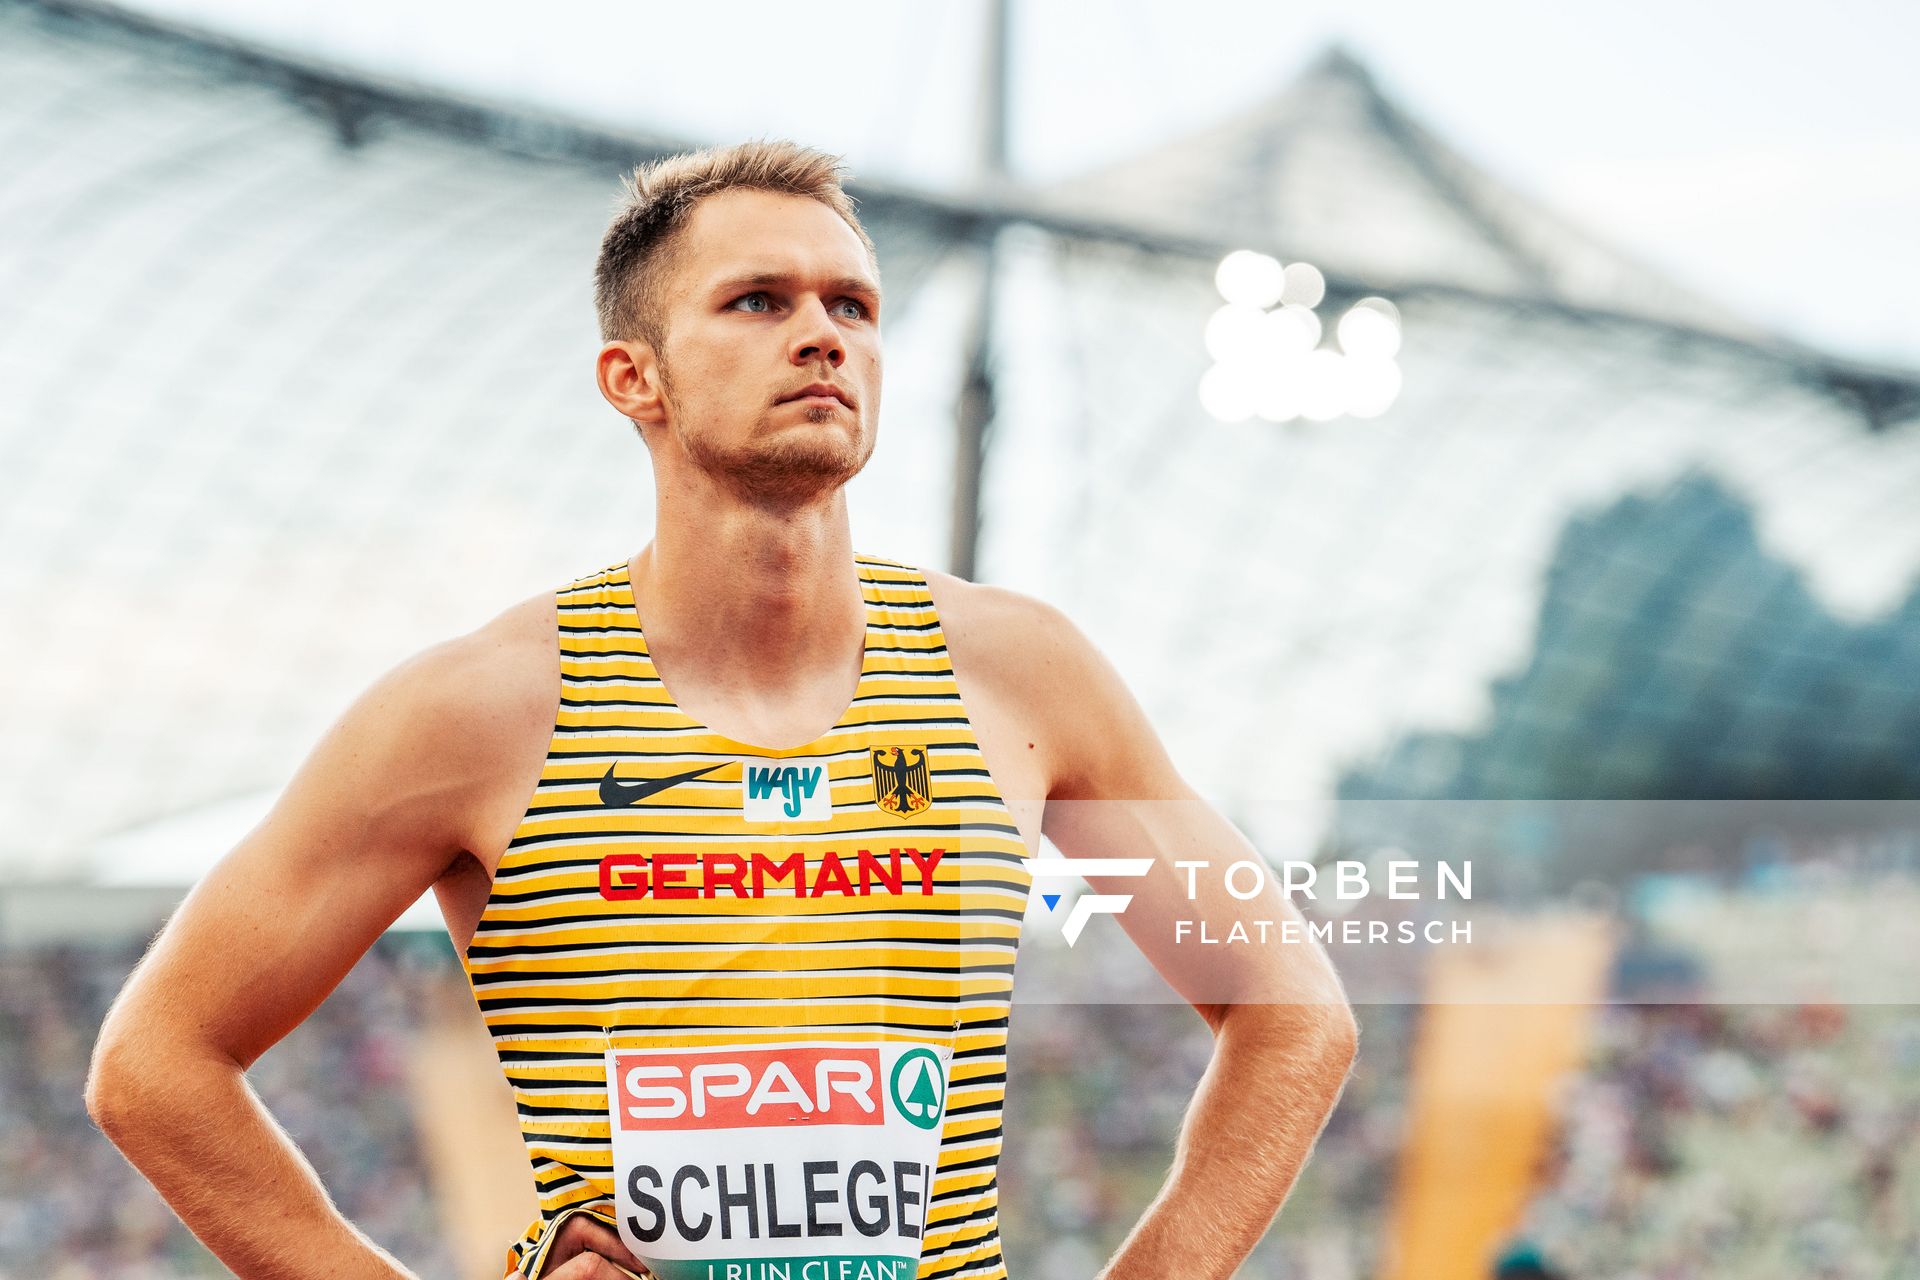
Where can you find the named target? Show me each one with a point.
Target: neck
(742, 589)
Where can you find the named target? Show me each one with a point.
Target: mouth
(820, 393)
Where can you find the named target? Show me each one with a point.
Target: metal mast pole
(975, 410)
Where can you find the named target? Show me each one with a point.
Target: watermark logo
(1087, 905)
(1245, 879)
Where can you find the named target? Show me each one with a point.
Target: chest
(1007, 745)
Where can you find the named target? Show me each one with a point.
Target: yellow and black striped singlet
(673, 891)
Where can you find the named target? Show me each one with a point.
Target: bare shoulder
(451, 730)
(1015, 641)
(516, 653)
(492, 677)
(1030, 655)
(496, 689)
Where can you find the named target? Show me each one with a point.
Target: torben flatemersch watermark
(1246, 879)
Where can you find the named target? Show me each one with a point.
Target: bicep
(364, 827)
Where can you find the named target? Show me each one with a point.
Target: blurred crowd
(1753, 1141)
(71, 1208)
(1759, 1141)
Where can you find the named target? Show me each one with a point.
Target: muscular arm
(370, 820)
(1284, 1036)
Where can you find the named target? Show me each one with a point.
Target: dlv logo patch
(786, 791)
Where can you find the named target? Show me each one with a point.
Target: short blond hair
(637, 251)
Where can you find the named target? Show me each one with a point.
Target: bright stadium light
(1293, 330)
(1249, 278)
(1384, 307)
(1237, 333)
(1266, 346)
(1304, 284)
(1277, 397)
(1323, 385)
(1227, 392)
(1372, 386)
(1369, 332)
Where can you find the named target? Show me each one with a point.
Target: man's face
(767, 295)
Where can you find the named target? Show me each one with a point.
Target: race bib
(806, 1161)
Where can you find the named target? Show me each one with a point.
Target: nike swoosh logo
(616, 793)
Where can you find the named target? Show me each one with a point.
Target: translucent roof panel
(295, 379)
(1330, 171)
(1578, 556)
(282, 404)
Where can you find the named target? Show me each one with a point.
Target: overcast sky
(1766, 154)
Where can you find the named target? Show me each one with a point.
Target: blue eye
(859, 308)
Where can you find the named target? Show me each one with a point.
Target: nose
(815, 336)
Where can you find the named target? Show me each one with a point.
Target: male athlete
(734, 840)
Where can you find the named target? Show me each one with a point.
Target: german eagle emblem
(900, 783)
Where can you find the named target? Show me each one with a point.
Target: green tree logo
(919, 1087)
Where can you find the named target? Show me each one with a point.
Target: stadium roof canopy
(1329, 170)
(294, 380)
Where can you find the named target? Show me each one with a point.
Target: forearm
(215, 1154)
(1272, 1082)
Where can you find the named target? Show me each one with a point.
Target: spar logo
(919, 1088)
(762, 1088)
(788, 791)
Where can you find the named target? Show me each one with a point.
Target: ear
(629, 378)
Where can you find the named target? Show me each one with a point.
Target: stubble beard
(787, 469)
